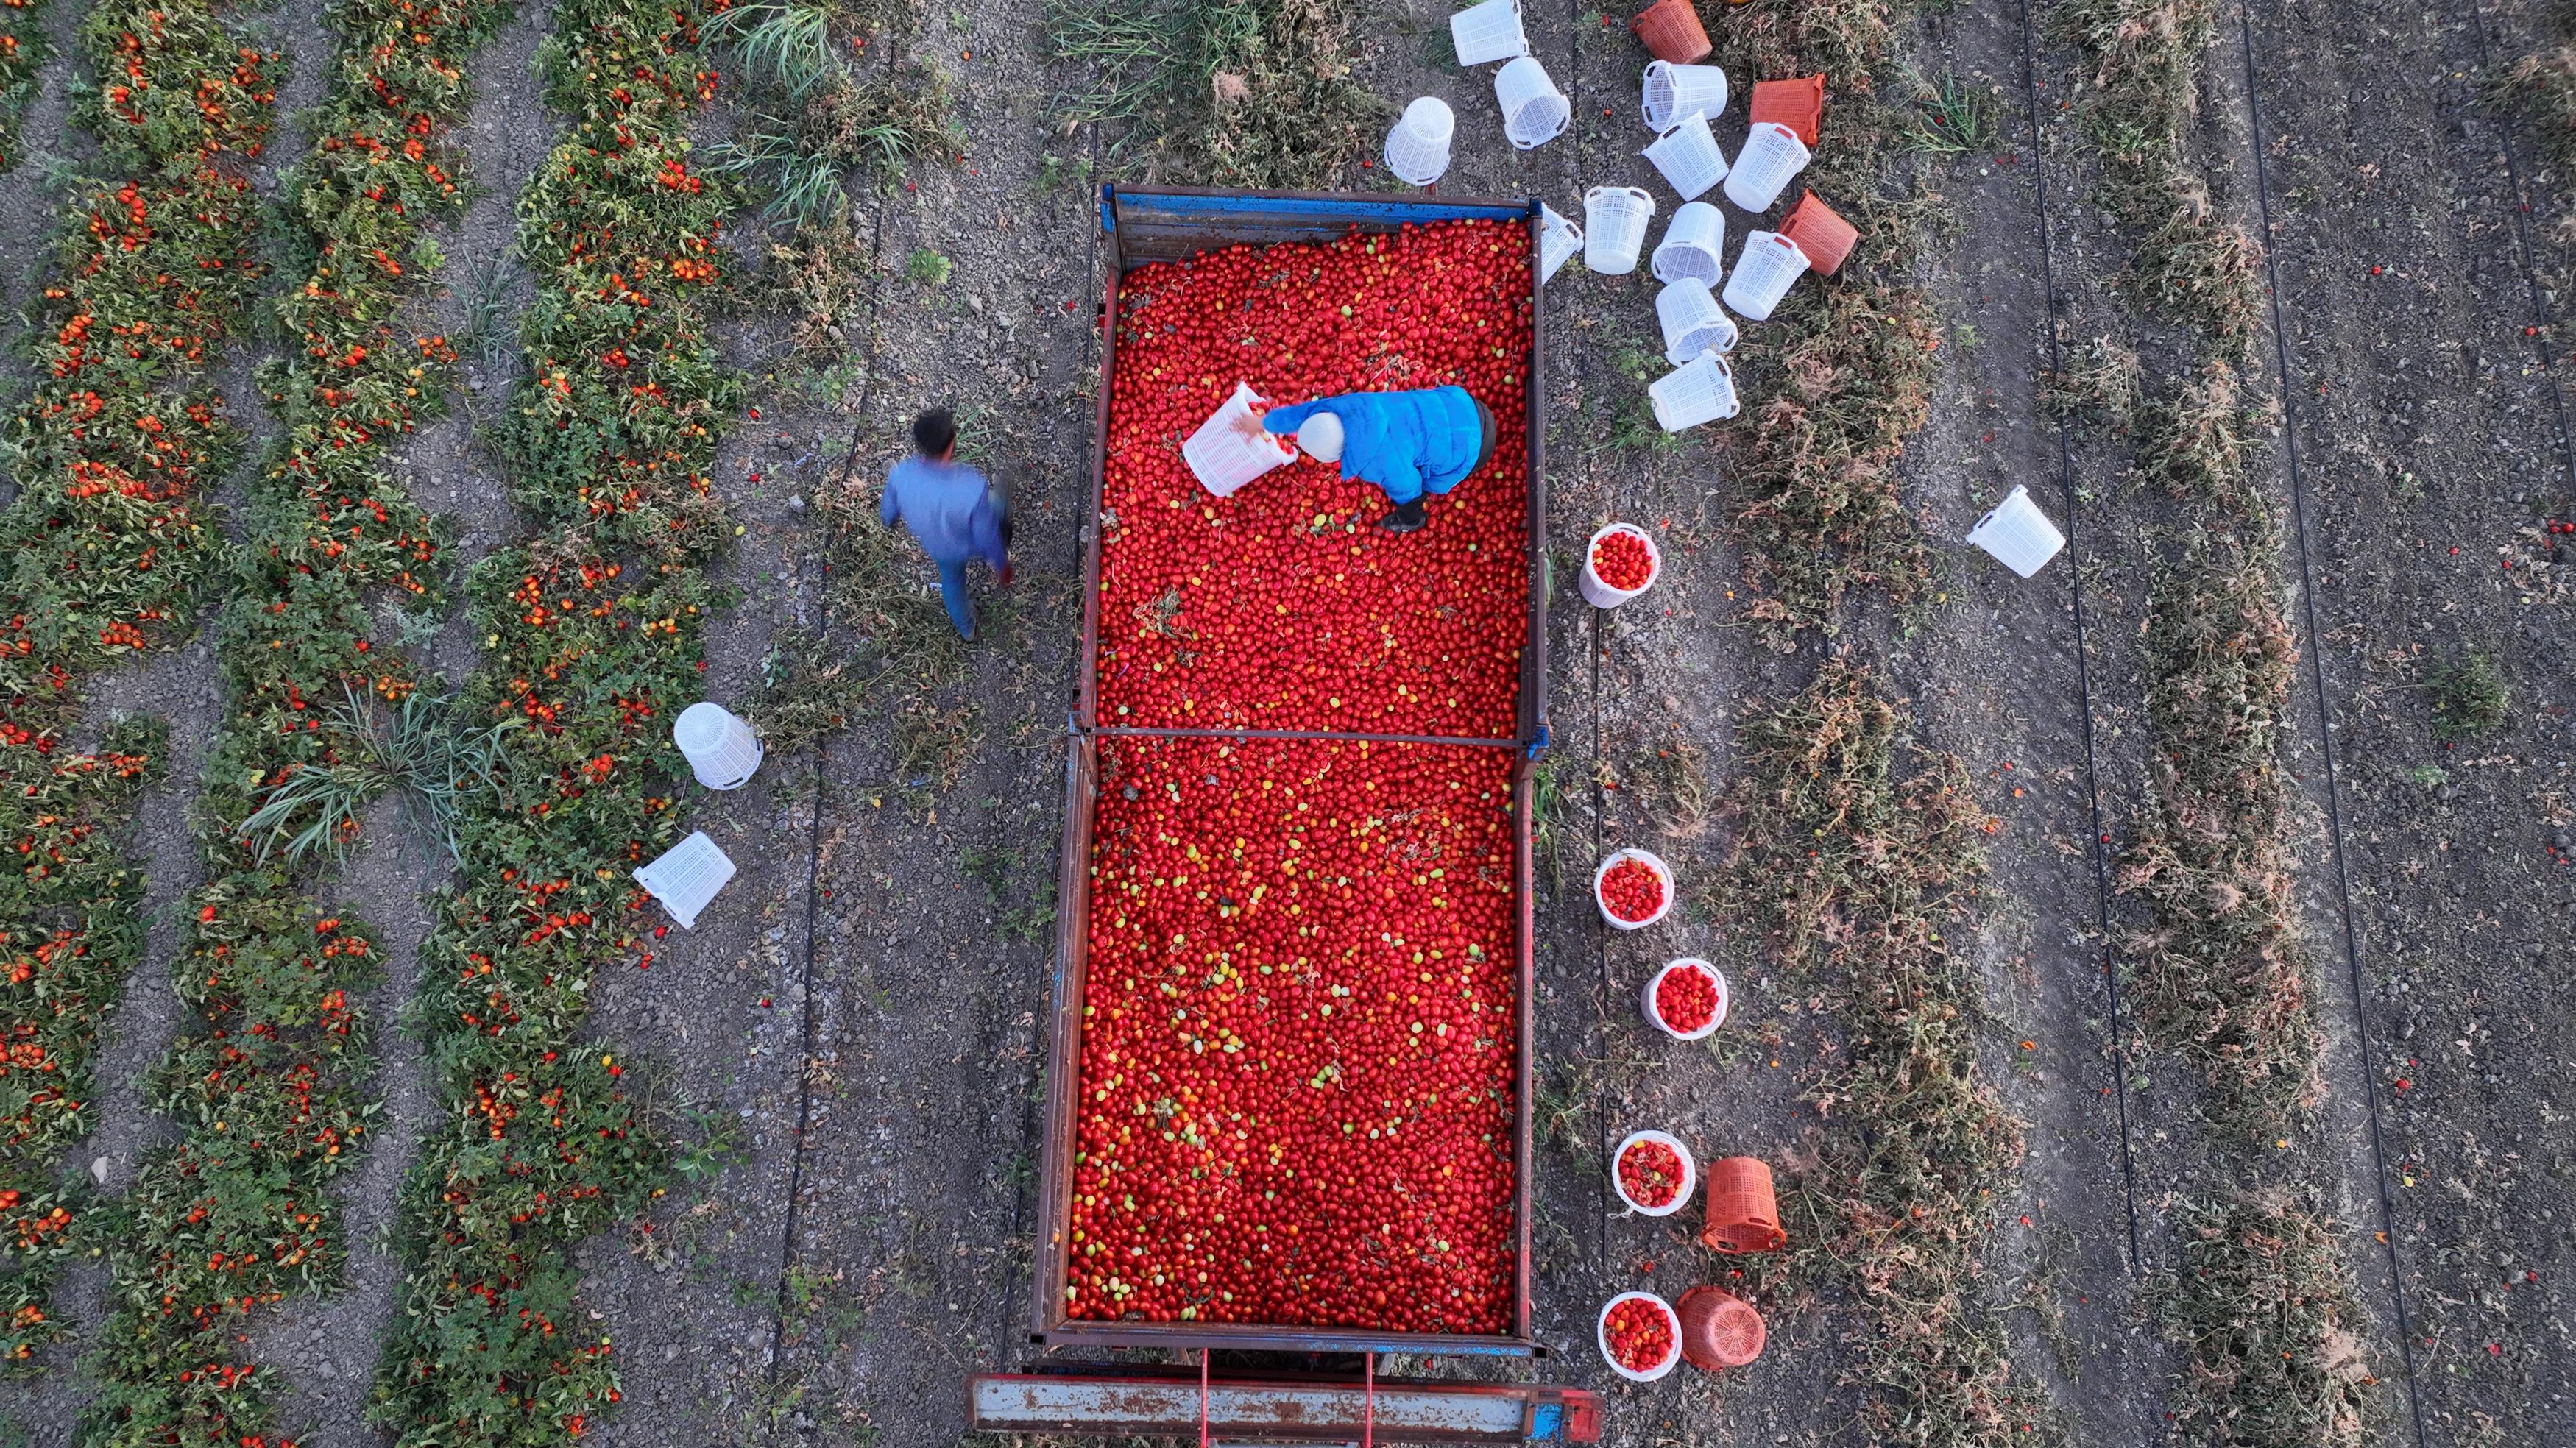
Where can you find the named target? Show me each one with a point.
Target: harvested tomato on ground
(1686, 999)
(1651, 1172)
(1633, 889)
(1281, 607)
(1299, 1037)
(1623, 561)
(1641, 1334)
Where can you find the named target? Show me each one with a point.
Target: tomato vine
(592, 639)
(107, 548)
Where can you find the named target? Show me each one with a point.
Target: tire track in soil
(2424, 367)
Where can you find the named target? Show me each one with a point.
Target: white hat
(1321, 436)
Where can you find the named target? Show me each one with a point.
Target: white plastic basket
(1690, 1173)
(1535, 112)
(1655, 982)
(1614, 227)
(1688, 156)
(1694, 245)
(1600, 594)
(1417, 146)
(1693, 322)
(1602, 1329)
(1674, 91)
(1653, 862)
(1558, 239)
(1223, 456)
(2018, 534)
(1772, 154)
(721, 749)
(1763, 273)
(686, 877)
(1488, 32)
(1700, 390)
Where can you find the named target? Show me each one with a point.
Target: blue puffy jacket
(1408, 443)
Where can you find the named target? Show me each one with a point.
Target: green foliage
(23, 49)
(106, 549)
(2471, 696)
(593, 638)
(928, 268)
(1953, 117)
(418, 747)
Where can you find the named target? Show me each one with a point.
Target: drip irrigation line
(814, 855)
(2522, 246)
(2083, 664)
(2325, 731)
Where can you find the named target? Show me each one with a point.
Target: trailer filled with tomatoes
(1288, 1102)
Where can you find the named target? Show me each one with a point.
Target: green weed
(2471, 696)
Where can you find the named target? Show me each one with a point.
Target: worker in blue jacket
(953, 512)
(1407, 443)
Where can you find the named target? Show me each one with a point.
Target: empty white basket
(1694, 245)
(1614, 227)
(1692, 321)
(1702, 390)
(1557, 240)
(1417, 148)
(1488, 32)
(1674, 91)
(1534, 110)
(1763, 273)
(1772, 154)
(1688, 156)
(686, 877)
(1223, 456)
(2018, 534)
(722, 751)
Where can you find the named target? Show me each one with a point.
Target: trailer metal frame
(1154, 224)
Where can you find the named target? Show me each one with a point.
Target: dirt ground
(853, 1031)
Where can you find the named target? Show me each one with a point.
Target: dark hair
(933, 432)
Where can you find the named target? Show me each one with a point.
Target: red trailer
(1275, 1382)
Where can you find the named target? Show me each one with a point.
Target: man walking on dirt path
(954, 514)
(1407, 443)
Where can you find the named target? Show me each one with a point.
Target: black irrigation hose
(814, 859)
(2083, 666)
(2325, 733)
(2522, 245)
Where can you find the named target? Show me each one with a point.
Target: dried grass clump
(1856, 855)
(2261, 1307)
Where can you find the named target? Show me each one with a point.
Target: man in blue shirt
(1408, 443)
(954, 514)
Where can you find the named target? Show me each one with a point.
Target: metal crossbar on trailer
(1267, 1402)
(1277, 1408)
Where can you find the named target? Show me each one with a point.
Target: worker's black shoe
(1407, 518)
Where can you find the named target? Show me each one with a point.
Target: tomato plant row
(1300, 1037)
(264, 1080)
(106, 546)
(592, 642)
(1281, 607)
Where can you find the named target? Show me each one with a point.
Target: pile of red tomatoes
(1299, 1037)
(1281, 607)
